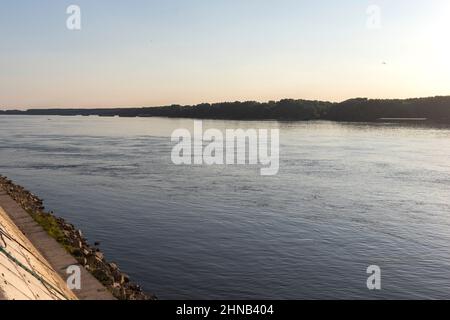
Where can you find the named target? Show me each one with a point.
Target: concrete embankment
(33, 266)
(39, 253)
(25, 274)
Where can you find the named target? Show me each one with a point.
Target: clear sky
(158, 52)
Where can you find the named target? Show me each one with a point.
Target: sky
(160, 52)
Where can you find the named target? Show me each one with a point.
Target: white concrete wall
(15, 282)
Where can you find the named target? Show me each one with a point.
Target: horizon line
(219, 102)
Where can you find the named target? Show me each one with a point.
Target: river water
(347, 196)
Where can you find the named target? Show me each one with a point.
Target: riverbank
(25, 273)
(73, 241)
(431, 109)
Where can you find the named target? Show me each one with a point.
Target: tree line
(435, 109)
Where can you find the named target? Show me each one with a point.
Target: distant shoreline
(432, 109)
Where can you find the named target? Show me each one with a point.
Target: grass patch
(51, 226)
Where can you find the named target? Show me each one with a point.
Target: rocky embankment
(72, 239)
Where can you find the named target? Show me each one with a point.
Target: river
(346, 196)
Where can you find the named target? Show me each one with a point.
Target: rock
(116, 292)
(118, 277)
(93, 261)
(99, 256)
(113, 266)
(103, 276)
(77, 244)
(67, 227)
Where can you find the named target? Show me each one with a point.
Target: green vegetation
(434, 109)
(50, 224)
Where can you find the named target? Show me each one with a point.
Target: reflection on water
(347, 196)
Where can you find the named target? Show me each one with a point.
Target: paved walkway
(52, 251)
